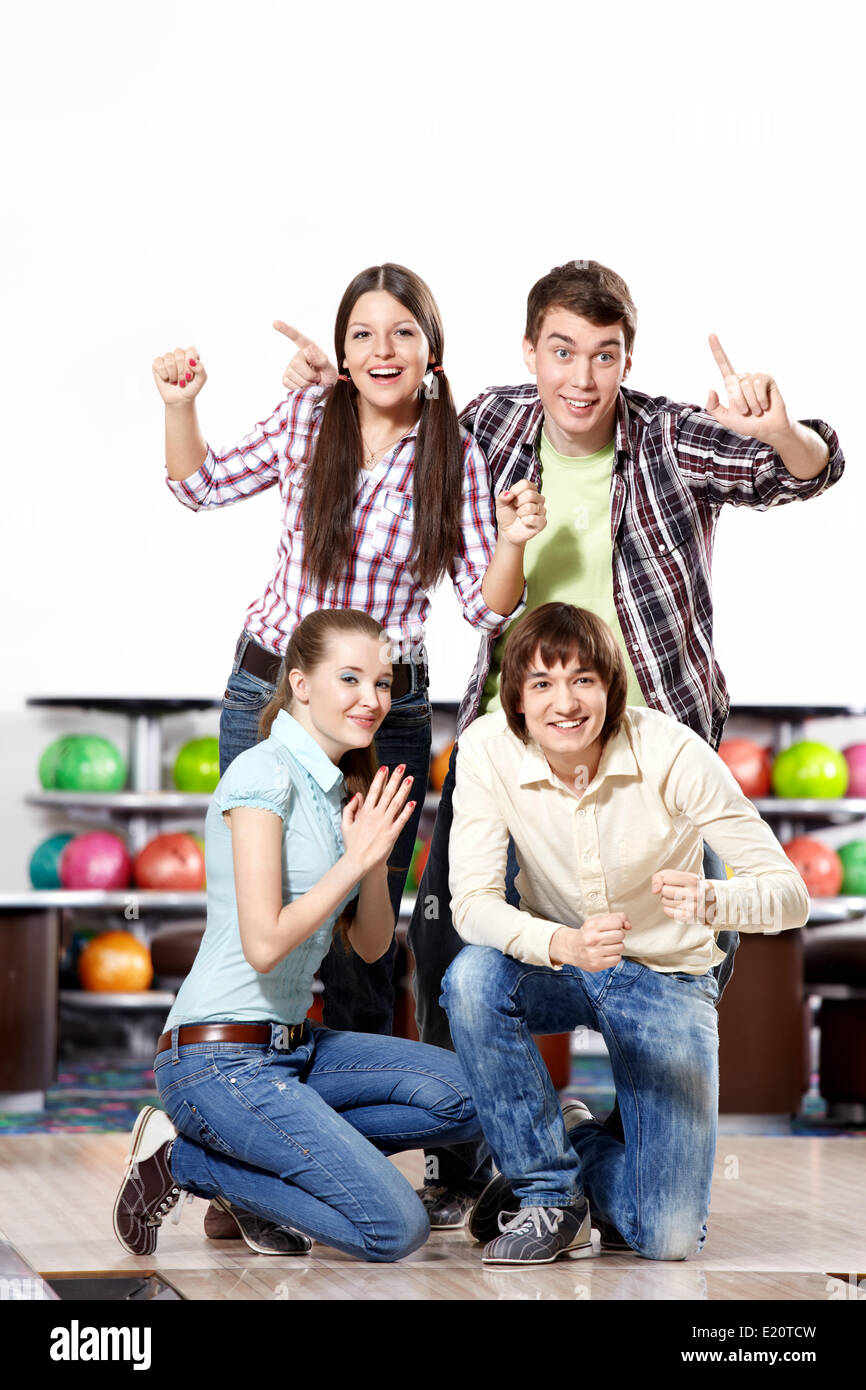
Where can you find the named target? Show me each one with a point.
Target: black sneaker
(148, 1190)
(540, 1235)
(447, 1207)
(225, 1220)
(496, 1200)
(611, 1240)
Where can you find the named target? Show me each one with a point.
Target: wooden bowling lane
(785, 1213)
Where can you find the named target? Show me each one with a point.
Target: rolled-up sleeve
(477, 544)
(478, 850)
(766, 893)
(727, 467)
(240, 470)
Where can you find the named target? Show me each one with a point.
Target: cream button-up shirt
(659, 792)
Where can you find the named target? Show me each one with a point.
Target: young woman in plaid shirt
(383, 494)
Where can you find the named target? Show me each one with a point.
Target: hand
(597, 945)
(372, 824)
(310, 365)
(685, 897)
(755, 405)
(179, 375)
(520, 513)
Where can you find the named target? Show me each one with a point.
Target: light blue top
(292, 776)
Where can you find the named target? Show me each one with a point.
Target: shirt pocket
(390, 532)
(293, 497)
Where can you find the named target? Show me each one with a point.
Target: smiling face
(564, 707)
(342, 701)
(385, 351)
(579, 368)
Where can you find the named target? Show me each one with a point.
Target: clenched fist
(597, 945)
(179, 375)
(685, 897)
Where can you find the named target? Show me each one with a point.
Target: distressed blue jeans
(358, 995)
(300, 1137)
(662, 1037)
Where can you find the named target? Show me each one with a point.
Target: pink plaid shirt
(378, 581)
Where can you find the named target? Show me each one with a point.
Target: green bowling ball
(197, 768)
(45, 861)
(82, 763)
(853, 856)
(813, 771)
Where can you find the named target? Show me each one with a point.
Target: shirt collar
(308, 752)
(622, 429)
(617, 760)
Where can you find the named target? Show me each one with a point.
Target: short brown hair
(585, 288)
(557, 631)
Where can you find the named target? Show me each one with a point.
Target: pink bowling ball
(96, 860)
(855, 757)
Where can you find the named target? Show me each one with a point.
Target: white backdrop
(179, 174)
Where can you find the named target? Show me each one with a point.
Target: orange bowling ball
(115, 963)
(750, 763)
(439, 767)
(819, 866)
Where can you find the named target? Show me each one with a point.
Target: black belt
(291, 1037)
(266, 667)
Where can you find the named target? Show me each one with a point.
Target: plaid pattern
(378, 581)
(674, 468)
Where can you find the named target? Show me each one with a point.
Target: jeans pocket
(246, 692)
(411, 711)
(189, 1121)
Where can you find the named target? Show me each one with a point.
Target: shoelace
(530, 1220)
(165, 1206)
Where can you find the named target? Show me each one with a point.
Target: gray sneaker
(540, 1235)
(446, 1207)
(265, 1237)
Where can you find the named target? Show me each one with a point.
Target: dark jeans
(434, 944)
(358, 997)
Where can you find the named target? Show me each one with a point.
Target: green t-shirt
(572, 560)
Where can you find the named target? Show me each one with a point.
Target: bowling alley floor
(786, 1223)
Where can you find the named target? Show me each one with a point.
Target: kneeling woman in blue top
(272, 1115)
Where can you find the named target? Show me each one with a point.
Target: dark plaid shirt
(674, 467)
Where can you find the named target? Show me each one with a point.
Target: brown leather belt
(266, 667)
(292, 1034)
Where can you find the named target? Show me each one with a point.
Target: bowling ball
(82, 763)
(416, 867)
(439, 767)
(197, 768)
(115, 962)
(95, 860)
(45, 861)
(750, 765)
(855, 757)
(170, 864)
(819, 866)
(810, 770)
(853, 856)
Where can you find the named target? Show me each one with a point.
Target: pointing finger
(724, 363)
(298, 338)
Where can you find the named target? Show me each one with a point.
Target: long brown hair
(332, 477)
(307, 649)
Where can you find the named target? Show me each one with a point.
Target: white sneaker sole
(135, 1144)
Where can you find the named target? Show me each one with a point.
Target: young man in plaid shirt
(633, 486)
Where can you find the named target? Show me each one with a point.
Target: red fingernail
(181, 382)
(410, 780)
(189, 376)
(413, 804)
(192, 361)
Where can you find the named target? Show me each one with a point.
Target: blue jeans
(358, 996)
(434, 941)
(300, 1137)
(661, 1034)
